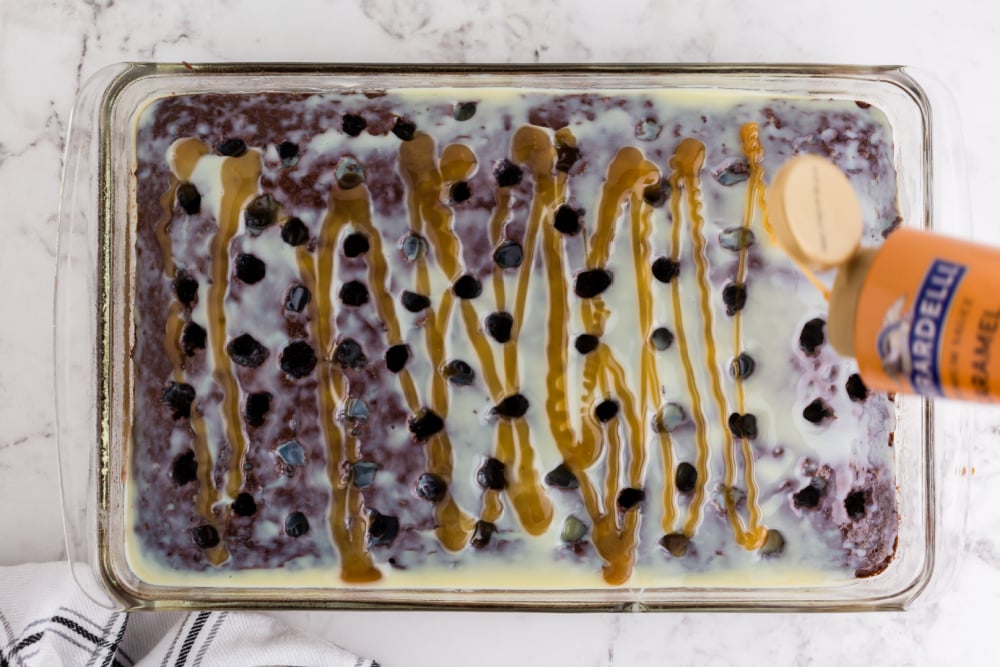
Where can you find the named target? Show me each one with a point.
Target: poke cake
(495, 338)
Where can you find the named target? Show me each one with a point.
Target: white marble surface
(48, 46)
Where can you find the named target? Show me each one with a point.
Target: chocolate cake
(495, 338)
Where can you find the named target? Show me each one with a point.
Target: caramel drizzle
(347, 525)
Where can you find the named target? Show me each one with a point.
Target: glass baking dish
(95, 330)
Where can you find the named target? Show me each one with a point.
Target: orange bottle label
(928, 317)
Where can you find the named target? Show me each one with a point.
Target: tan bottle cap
(815, 213)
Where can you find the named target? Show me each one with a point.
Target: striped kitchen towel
(45, 619)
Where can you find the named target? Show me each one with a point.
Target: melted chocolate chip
(676, 544)
(297, 298)
(179, 396)
(250, 269)
(467, 287)
(512, 407)
(353, 293)
(742, 366)
(414, 302)
(231, 147)
(246, 351)
(188, 198)
(459, 373)
(257, 406)
(460, 192)
(298, 359)
(353, 125)
(817, 412)
(665, 269)
(499, 326)
(743, 426)
(205, 536)
(260, 213)
(464, 110)
(424, 424)
(382, 529)
(656, 195)
(661, 338)
(566, 157)
(244, 505)
(396, 358)
(508, 255)
(591, 283)
(186, 288)
(854, 503)
(287, 152)
(856, 388)
(492, 475)
(808, 497)
(629, 498)
(355, 244)
(482, 534)
(606, 410)
(404, 129)
(294, 232)
(686, 477)
(586, 343)
(812, 336)
(431, 487)
(561, 477)
(567, 220)
(193, 338)
(734, 295)
(349, 354)
(184, 469)
(507, 173)
(296, 524)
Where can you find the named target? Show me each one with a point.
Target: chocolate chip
(743, 426)
(382, 529)
(260, 213)
(586, 343)
(414, 302)
(508, 255)
(656, 195)
(854, 503)
(179, 396)
(591, 282)
(812, 336)
(499, 325)
(298, 359)
(856, 388)
(774, 543)
(186, 288)
(573, 530)
(460, 192)
(464, 110)
(431, 487)
(507, 173)
(566, 157)
(734, 295)
(686, 477)
(349, 173)
(296, 524)
(349, 354)
(742, 366)
(606, 410)
(353, 293)
(250, 269)
(459, 373)
(244, 505)
(482, 534)
(817, 412)
(629, 498)
(231, 147)
(737, 172)
(246, 351)
(512, 407)
(294, 232)
(567, 220)
(297, 298)
(188, 198)
(413, 246)
(363, 473)
(396, 358)
(665, 269)
(257, 406)
(424, 424)
(288, 152)
(353, 125)
(808, 497)
(661, 338)
(492, 475)
(205, 536)
(676, 544)
(562, 477)
(404, 129)
(193, 338)
(184, 469)
(355, 244)
(467, 287)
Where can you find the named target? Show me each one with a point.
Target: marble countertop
(48, 47)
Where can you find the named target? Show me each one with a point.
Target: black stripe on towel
(196, 627)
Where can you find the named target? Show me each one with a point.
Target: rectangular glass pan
(99, 314)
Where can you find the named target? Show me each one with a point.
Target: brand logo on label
(930, 309)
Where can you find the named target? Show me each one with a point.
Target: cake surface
(496, 338)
